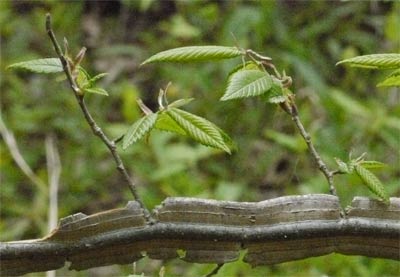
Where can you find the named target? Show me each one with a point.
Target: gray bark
(209, 231)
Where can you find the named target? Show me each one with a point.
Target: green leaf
(372, 164)
(200, 129)
(180, 102)
(372, 182)
(49, 65)
(247, 83)
(96, 91)
(166, 123)
(244, 66)
(391, 81)
(374, 61)
(195, 54)
(276, 93)
(139, 129)
(97, 77)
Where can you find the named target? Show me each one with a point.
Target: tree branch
(291, 108)
(89, 119)
(210, 231)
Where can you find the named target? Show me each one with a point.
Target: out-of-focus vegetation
(342, 108)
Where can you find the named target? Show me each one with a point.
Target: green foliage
(49, 65)
(374, 61)
(247, 83)
(199, 129)
(139, 129)
(372, 182)
(379, 61)
(168, 165)
(195, 54)
(87, 83)
(361, 168)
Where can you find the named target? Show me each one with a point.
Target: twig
(53, 172)
(215, 270)
(291, 108)
(93, 125)
(9, 139)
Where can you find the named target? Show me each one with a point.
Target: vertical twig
(53, 172)
(93, 125)
(291, 108)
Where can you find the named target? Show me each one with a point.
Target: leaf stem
(291, 108)
(92, 123)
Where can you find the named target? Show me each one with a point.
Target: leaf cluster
(361, 168)
(379, 61)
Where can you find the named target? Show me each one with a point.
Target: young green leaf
(49, 65)
(247, 83)
(96, 91)
(392, 81)
(249, 65)
(96, 78)
(276, 94)
(166, 123)
(374, 61)
(180, 102)
(194, 54)
(139, 129)
(200, 129)
(372, 164)
(372, 182)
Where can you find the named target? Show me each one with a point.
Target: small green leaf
(180, 102)
(372, 182)
(49, 65)
(372, 164)
(343, 167)
(200, 129)
(139, 129)
(276, 93)
(96, 91)
(97, 77)
(392, 81)
(195, 54)
(166, 123)
(374, 61)
(244, 66)
(247, 83)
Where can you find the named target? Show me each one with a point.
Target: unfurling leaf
(276, 93)
(96, 91)
(372, 164)
(180, 102)
(374, 61)
(49, 65)
(139, 129)
(97, 77)
(372, 182)
(195, 54)
(200, 129)
(247, 83)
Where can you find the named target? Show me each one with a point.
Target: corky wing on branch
(210, 231)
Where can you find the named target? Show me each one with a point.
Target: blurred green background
(341, 107)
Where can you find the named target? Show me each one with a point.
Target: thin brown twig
(92, 123)
(215, 270)
(291, 108)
